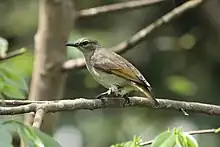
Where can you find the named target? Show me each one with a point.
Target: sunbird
(113, 71)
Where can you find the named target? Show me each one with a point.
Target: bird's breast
(106, 79)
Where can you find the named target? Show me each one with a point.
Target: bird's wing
(113, 63)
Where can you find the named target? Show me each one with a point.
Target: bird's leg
(122, 92)
(100, 96)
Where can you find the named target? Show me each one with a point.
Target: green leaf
(1, 84)
(5, 137)
(127, 144)
(217, 130)
(10, 77)
(29, 137)
(165, 139)
(33, 137)
(12, 92)
(134, 143)
(23, 64)
(11, 83)
(181, 140)
(177, 131)
(191, 141)
(181, 85)
(3, 47)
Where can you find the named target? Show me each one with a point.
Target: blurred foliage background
(181, 60)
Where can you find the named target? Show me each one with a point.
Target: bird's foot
(126, 100)
(100, 96)
(107, 93)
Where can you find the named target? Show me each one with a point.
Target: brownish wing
(110, 62)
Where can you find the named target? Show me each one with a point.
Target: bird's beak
(72, 44)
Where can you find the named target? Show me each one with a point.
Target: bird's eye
(85, 43)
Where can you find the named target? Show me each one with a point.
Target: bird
(113, 71)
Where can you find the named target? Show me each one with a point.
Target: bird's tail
(147, 93)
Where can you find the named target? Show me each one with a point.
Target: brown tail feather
(147, 93)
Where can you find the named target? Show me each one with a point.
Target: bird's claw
(100, 96)
(126, 100)
(107, 93)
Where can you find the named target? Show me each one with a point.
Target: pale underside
(117, 84)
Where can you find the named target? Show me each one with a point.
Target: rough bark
(55, 18)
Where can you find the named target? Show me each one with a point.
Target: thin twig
(91, 104)
(14, 54)
(73, 63)
(124, 6)
(139, 36)
(189, 132)
(7, 103)
(202, 131)
(38, 119)
(20, 102)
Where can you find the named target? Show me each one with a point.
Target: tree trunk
(55, 19)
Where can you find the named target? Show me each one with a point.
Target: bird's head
(85, 45)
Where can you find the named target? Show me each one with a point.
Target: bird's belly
(107, 80)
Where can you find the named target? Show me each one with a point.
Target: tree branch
(124, 6)
(47, 83)
(73, 63)
(38, 119)
(91, 104)
(139, 36)
(14, 54)
(7, 103)
(207, 131)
